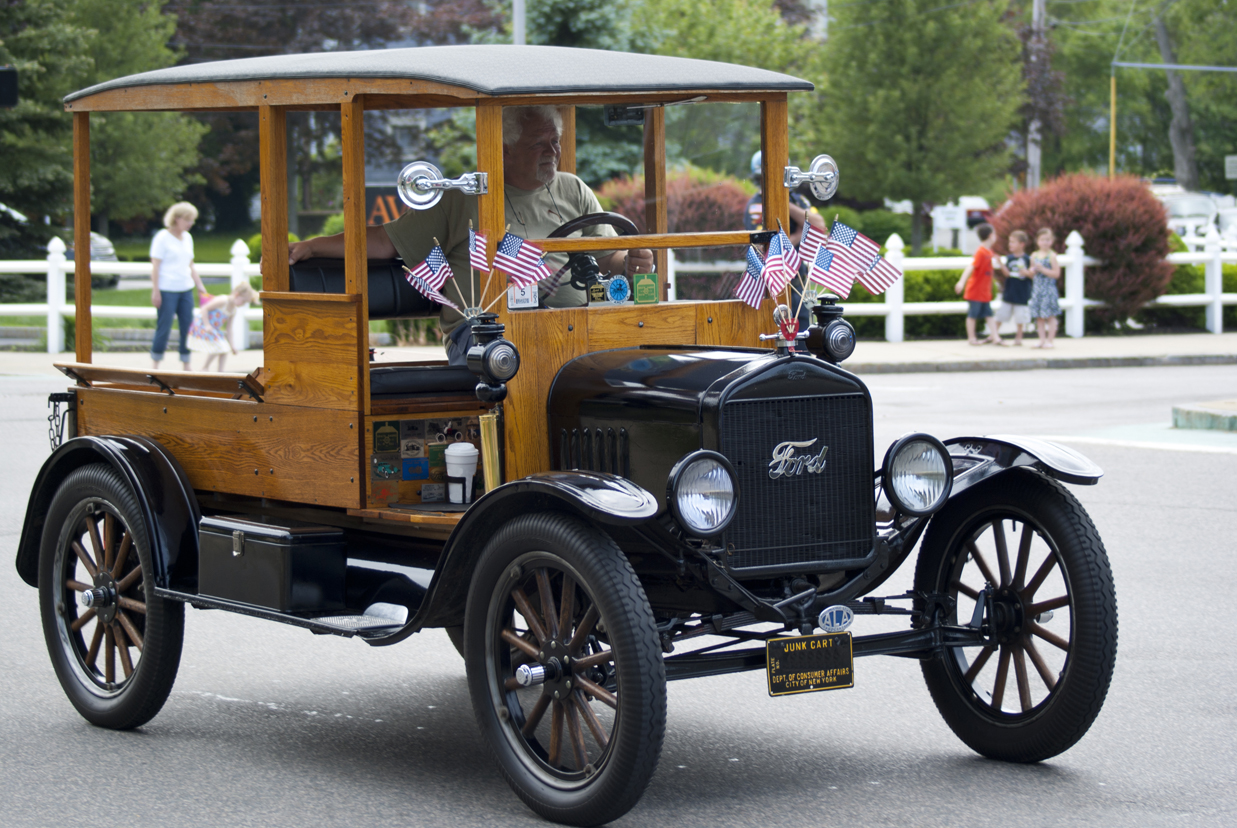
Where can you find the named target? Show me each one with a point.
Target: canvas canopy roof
(462, 72)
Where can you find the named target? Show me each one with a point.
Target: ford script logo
(791, 458)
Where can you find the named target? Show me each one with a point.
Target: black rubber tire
(607, 787)
(96, 493)
(456, 634)
(1051, 717)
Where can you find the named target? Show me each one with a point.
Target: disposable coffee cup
(461, 468)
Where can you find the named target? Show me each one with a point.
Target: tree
(921, 99)
(48, 48)
(141, 162)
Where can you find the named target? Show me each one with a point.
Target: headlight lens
(702, 493)
(918, 474)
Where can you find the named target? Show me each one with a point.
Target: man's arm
(377, 246)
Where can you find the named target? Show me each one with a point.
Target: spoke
(556, 733)
(1024, 555)
(981, 563)
(577, 736)
(93, 652)
(100, 554)
(123, 648)
(585, 629)
(598, 692)
(590, 719)
(978, 664)
(1051, 637)
(1002, 550)
(84, 557)
(567, 605)
(520, 644)
(534, 715)
(1002, 673)
(109, 655)
(129, 580)
(1041, 666)
(77, 586)
(122, 554)
(109, 537)
(596, 659)
(548, 611)
(1024, 686)
(530, 615)
(1051, 604)
(81, 620)
(130, 604)
(134, 635)
(1040, 575)
(969, 592)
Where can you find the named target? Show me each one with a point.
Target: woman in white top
(172, 277)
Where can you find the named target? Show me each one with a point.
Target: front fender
(978, 458)
(595, 497)
(169, 508)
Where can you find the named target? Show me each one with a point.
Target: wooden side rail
(236, 386)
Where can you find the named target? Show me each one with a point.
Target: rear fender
(976, 459)
(169, 509)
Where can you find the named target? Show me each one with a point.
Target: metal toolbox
(282, 565)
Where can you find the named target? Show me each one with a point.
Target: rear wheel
(1026, 549)
(115, 646)
(564, 669)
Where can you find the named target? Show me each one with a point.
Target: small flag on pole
(427, 290)
(813, 240)
(852, 251)
(879, 275)
(776, 274)
(522, 261)
(789, 254)
(820, 271)
(434, 270)
(751, 288)
(476, 250)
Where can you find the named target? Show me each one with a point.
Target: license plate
(807, 663)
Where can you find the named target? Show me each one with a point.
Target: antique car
(667, 489)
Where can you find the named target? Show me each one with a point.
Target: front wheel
(1025, 548)
(114, 644)
(564, 669)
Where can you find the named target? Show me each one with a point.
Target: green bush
(333, 226)
(879, 225)
(16, 288)
(255, 244)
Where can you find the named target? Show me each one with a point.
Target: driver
(538, 199)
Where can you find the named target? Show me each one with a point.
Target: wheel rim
(95, 557)
(542, 615)
(1031, 616)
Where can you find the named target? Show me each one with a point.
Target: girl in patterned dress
(1043, 305)
(210, 331)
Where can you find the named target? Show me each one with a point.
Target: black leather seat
(396, 381)
(390, 295)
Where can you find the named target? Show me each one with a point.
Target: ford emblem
(836, 619)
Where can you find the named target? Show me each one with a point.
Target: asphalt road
(271, 726)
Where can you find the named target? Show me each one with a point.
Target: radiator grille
(805, 518)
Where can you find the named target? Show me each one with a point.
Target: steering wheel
(622, 224)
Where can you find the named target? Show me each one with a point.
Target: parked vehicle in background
(25, 246)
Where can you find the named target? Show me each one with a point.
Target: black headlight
(918, 474)
(703, 493)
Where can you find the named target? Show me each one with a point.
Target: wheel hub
(556, 661)
(1008, 615)
(102, 599)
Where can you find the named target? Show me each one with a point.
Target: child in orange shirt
(976, 288)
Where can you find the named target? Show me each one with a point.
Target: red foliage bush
(1122, 225)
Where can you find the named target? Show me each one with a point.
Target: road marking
(1143, 444)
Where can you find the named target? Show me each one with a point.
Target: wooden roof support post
(273, 177)
(82, 329)
(356, 258)
(774, 156)
(656, 214)
(491, 213)
(568, 139)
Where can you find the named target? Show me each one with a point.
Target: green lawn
(207, 247)
(126, 298)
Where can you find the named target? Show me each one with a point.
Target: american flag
(821, 271)
(522, 261)
(427, 290)
(852, 251)
(476, 250)
(751, 288)
(813, 240)
(775, 271)
(879, 275)
(434, 270)
(789, 254)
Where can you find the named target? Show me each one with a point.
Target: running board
(343, 625)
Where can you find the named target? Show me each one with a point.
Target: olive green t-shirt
(530, 214)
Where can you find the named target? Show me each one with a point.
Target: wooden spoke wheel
(114, 645)
(1025, 549)
(565, 670)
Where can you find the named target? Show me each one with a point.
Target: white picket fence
(1073, 262)
(894, 308)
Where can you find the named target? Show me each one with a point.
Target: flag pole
(485, 289)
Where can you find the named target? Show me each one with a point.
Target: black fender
(596, 497)
(976, 459)
(169, 508)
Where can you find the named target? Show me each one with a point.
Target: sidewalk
(869, 357)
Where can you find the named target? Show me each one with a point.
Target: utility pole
(1037, 53)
